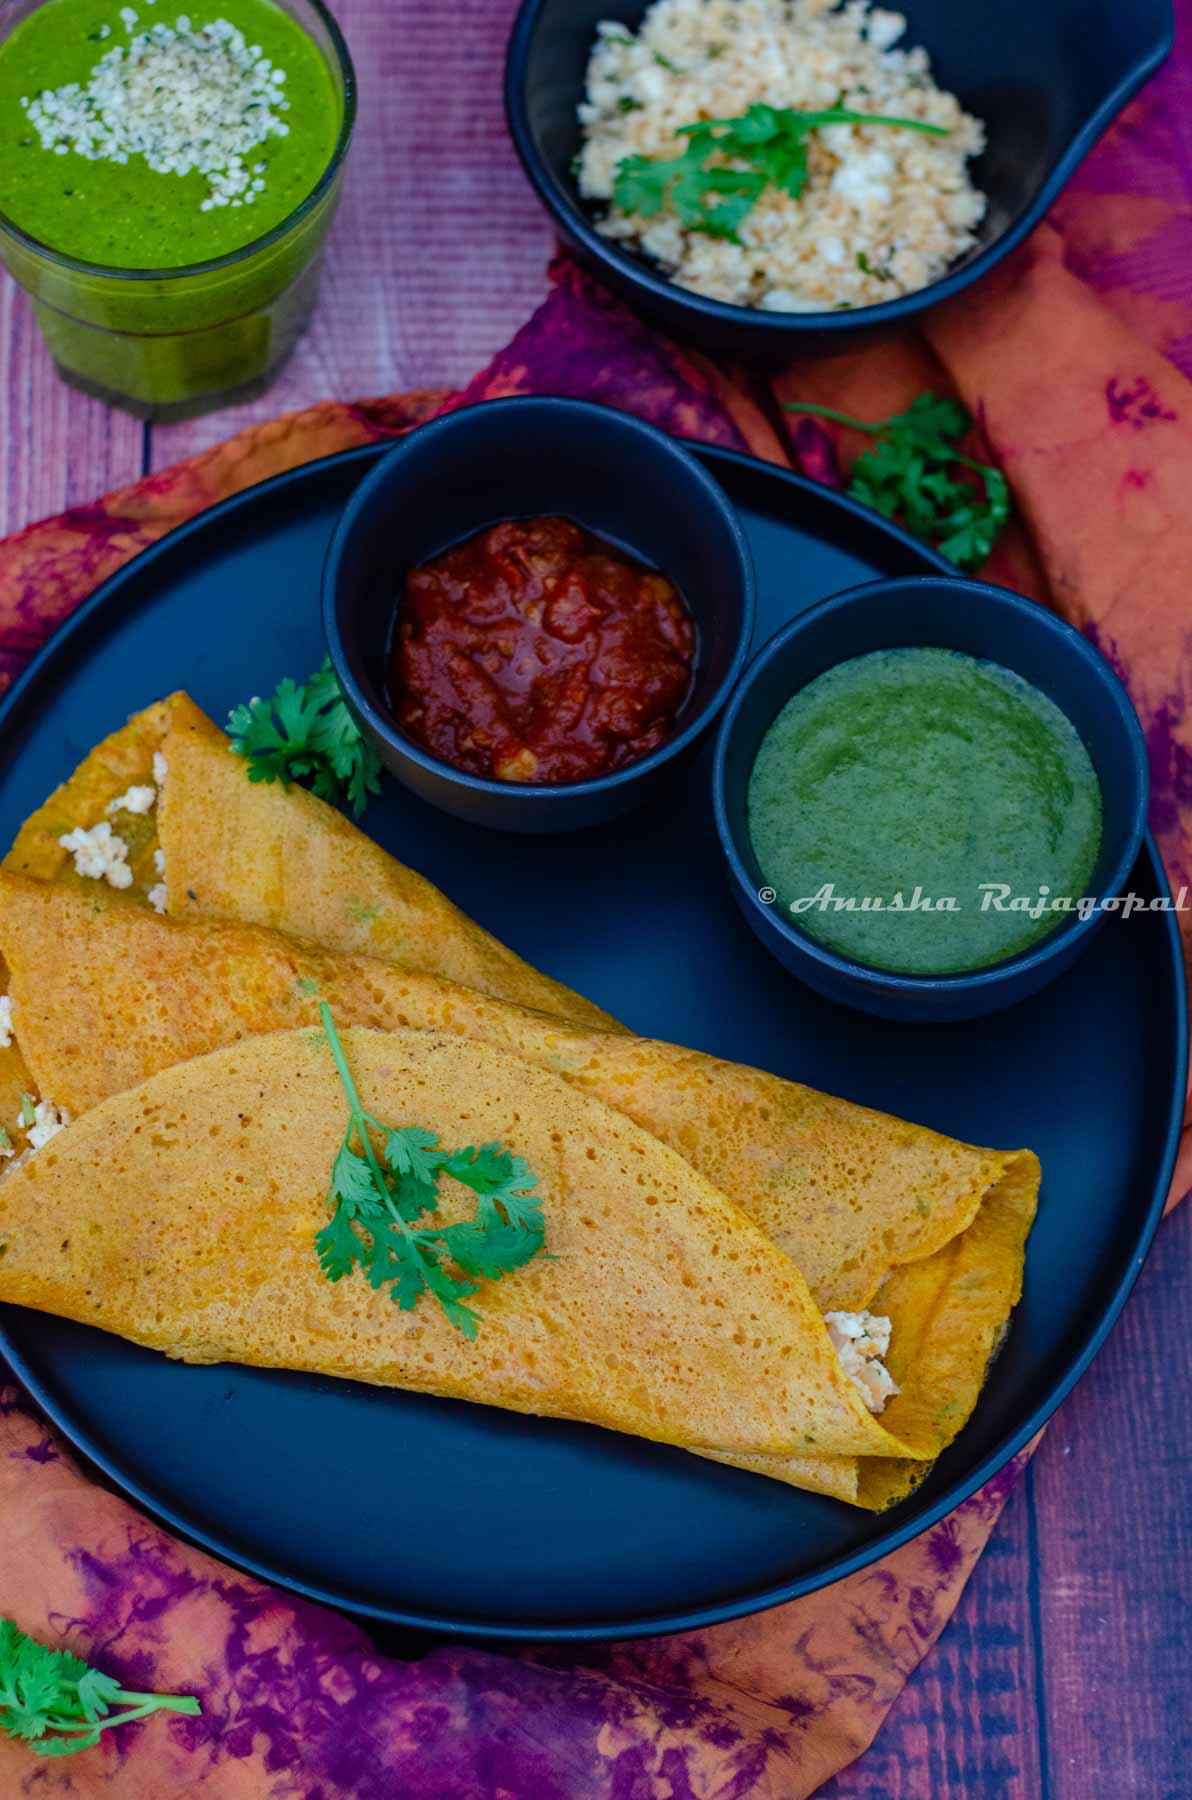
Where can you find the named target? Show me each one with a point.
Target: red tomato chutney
(535, 652)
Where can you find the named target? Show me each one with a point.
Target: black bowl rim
(571, 218)
(540, 793)
(970, 593)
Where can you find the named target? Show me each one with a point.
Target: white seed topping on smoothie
(184, 98)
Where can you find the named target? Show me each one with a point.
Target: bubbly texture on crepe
(107, 994)
(875, 1213)
(665, 1312)
(277, 856)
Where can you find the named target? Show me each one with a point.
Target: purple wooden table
(1065, 1673)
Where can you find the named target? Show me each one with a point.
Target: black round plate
(461, 1519)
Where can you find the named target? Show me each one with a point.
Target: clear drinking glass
(171, 343)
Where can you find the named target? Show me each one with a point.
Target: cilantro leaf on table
(380, 1199)
(57, 1704)
(716, 197)
(909, 476)
(307, 735)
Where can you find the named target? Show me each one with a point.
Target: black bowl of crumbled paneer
(777, 176)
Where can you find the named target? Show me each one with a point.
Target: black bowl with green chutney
(930, 793)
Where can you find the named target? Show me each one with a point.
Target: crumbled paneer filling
(99, 854)
(48, 1121)
(40, 1120)
(157, 893)
(5, 1021)
(860, 1340)
(135, 800)
(883, 212)
(159, 768)
(181, 96)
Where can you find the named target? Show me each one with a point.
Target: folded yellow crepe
(875, 1212)
(181, 1213)
(274, 855)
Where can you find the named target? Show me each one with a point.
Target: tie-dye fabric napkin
(1076, 362)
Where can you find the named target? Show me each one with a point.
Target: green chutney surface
(924, 774)
(127, 215)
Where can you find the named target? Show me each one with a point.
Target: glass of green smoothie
(167, 182)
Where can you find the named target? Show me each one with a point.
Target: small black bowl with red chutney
(535, 607)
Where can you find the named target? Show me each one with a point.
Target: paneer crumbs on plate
(883, 211)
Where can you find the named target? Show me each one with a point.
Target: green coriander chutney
(931, 791)
(125, 214)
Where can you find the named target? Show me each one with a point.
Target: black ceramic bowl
(985, 622)
(1046, 76)
(527, 458)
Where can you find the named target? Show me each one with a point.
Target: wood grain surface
(1065, 1674)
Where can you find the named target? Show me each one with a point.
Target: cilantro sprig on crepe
(380, 1196)
(909, 476)
(716, 197)
(307, 735)
(58, 1704)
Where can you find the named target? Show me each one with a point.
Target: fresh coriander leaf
(627, 104)
(758, 124)
(65, 1746)
(307, 735)
(351, 1183)
(488, 1168)
(973, 529)
(323, 687)
(411, 1151)
(498, 1180)
(489, 1253)
(385, 1257)
(643, 182)
(97, 1693)
(338, 1247)
(378, 1200)
(409, 1285)
(771, 140)
(58, 1705)
(664, 62)
(915, 473)
(738, 191)
(451, 1291)
(413, 1198)
(74, 1668)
